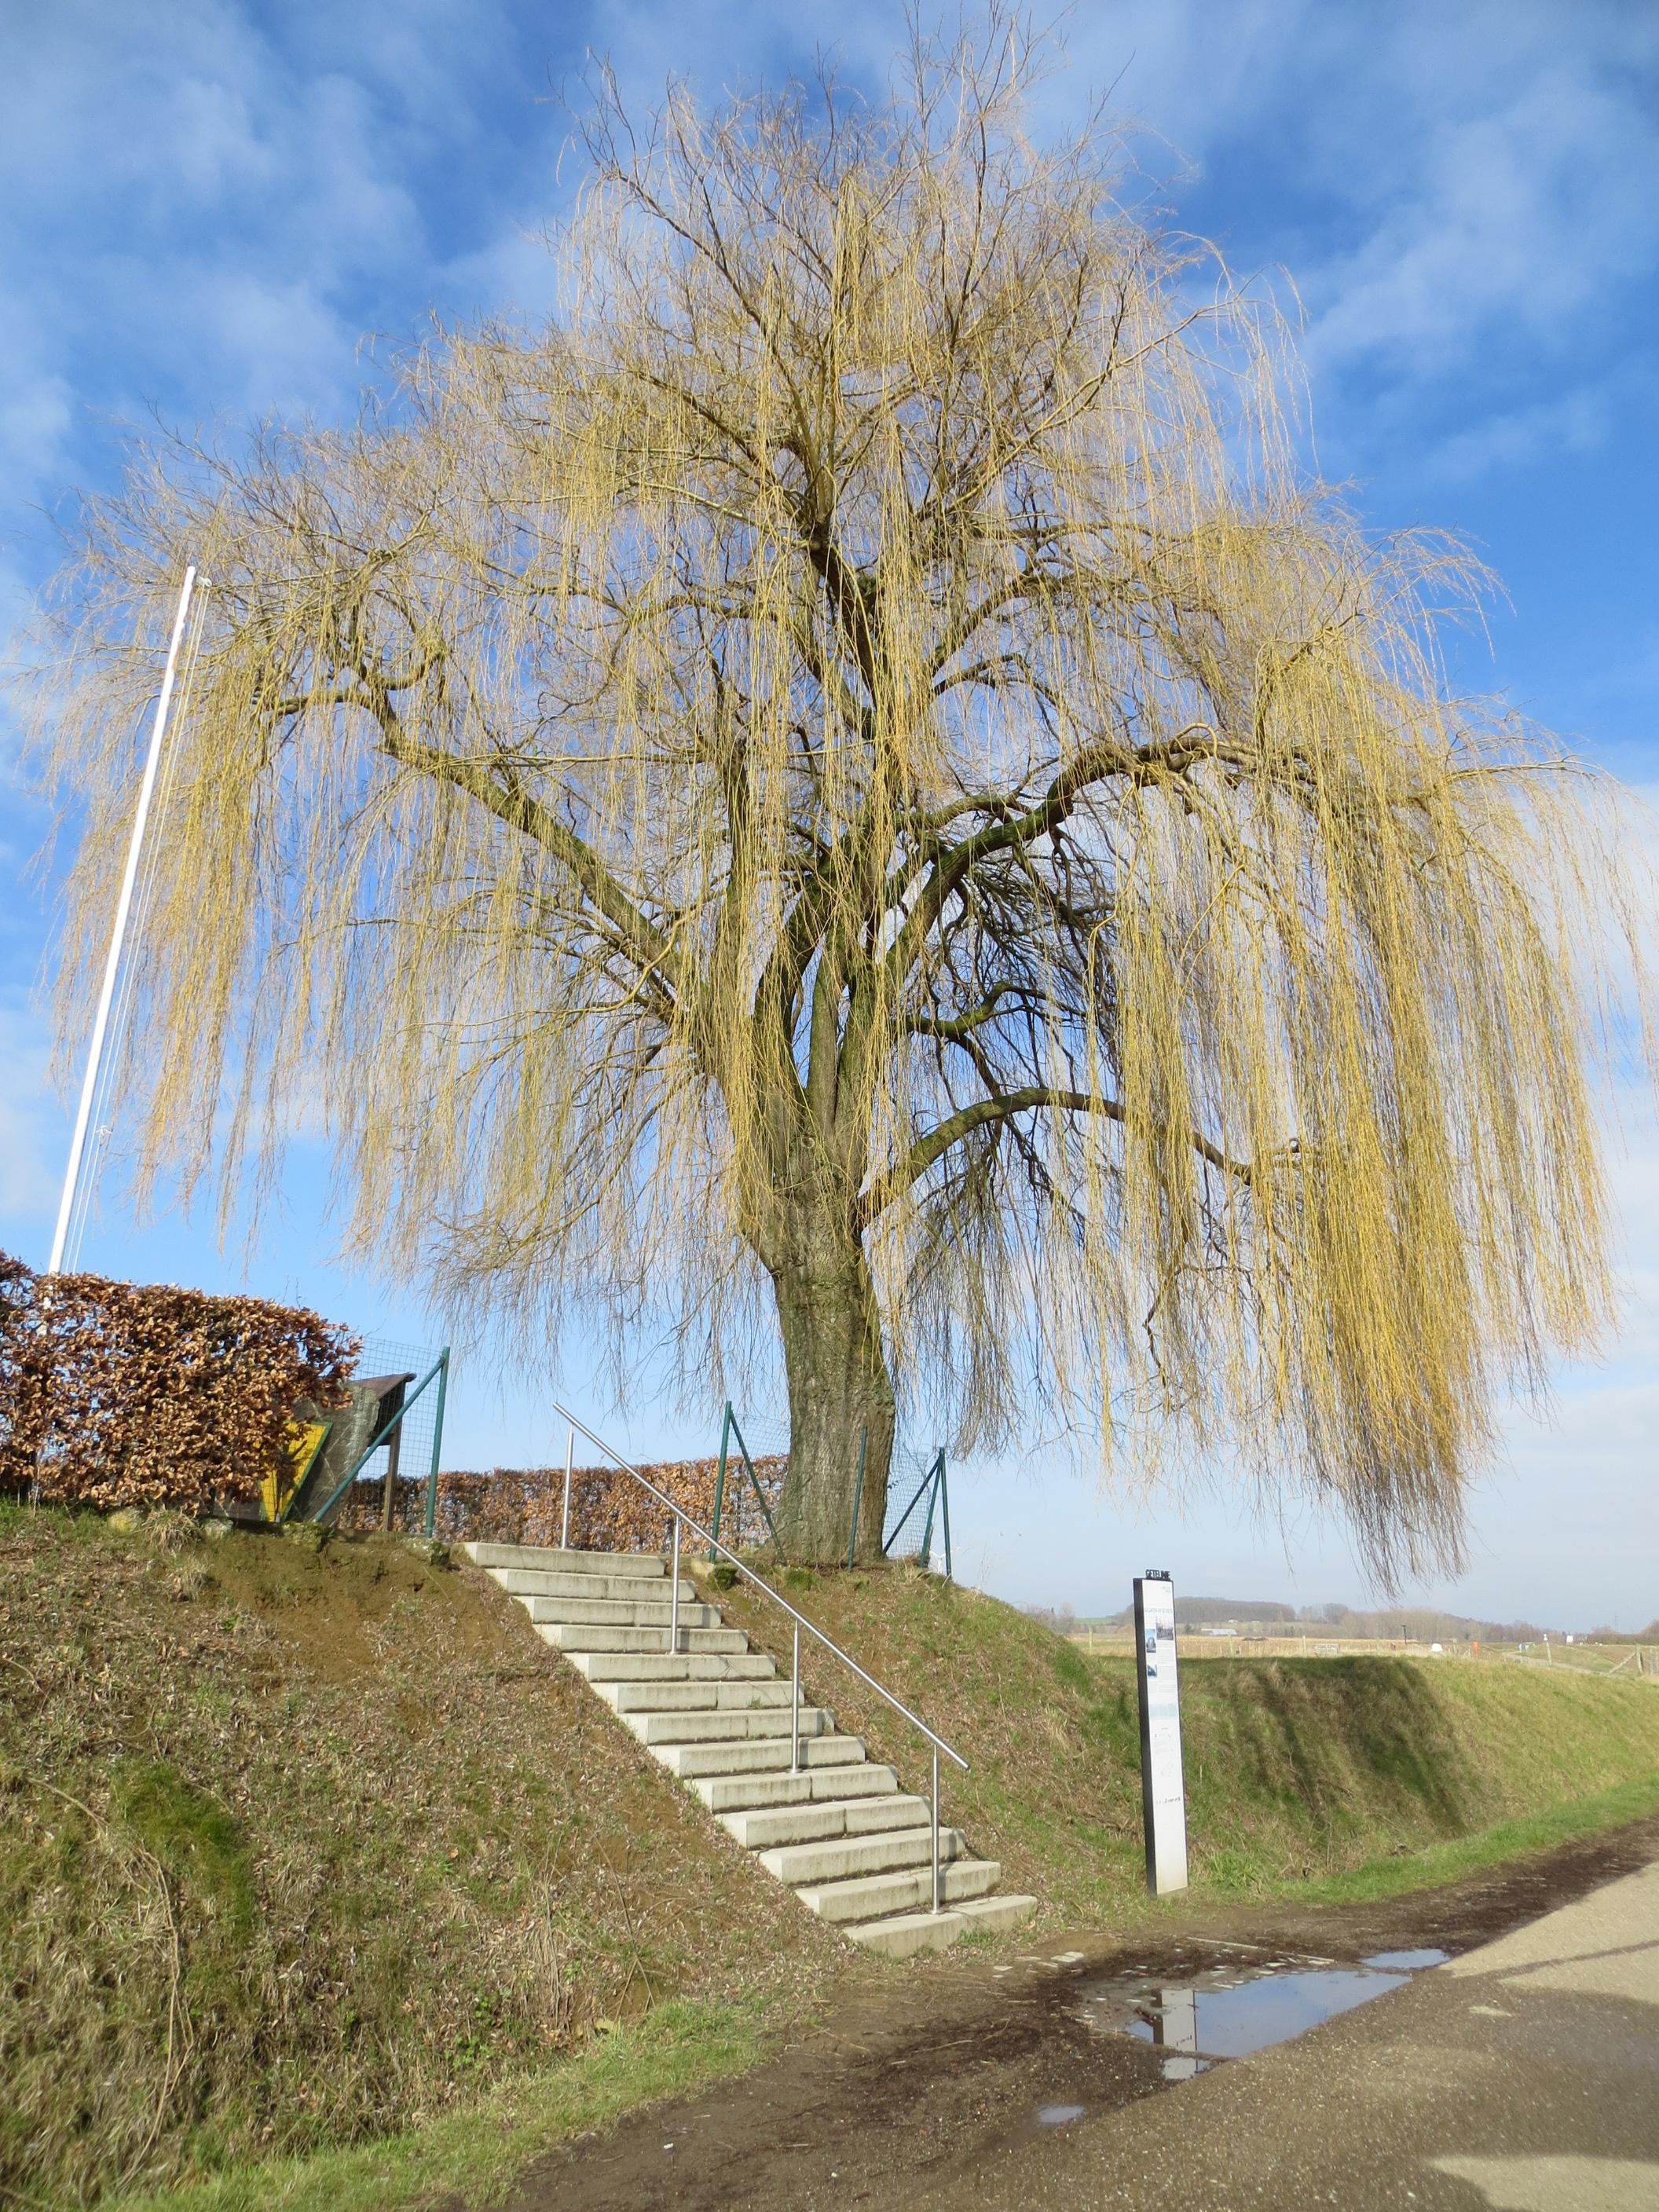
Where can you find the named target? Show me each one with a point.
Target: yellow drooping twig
(851, 759)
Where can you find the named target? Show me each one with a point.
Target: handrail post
(437, 1443)
(719, 1481)
(794, 1708)
(858, 1500)
(935, 1827)
(674, 1592)
(564, 1517)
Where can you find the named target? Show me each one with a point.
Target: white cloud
(1576, 422)
(1521, 217)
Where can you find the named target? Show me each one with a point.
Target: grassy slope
(1342, 1772)
(406, 1860)
(299, 1849)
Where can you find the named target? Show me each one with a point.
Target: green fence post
(937, 1471)
(754, 1484)
(719, 1478)
(858, 1498)
(945, 1507)
(437, 1441)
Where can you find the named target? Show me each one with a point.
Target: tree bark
(839, 1389)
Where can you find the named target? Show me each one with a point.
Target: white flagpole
(123, 907)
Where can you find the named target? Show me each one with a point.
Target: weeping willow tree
(851, 761)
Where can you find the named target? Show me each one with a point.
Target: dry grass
(299, 1849)
(307, 1850)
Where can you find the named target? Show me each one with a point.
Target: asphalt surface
(1523, 2076)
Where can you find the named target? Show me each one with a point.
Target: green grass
(476, 2153)
(1438, 1864)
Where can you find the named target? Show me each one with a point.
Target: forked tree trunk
(838, 1391)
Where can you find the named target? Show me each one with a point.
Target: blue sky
(215, 210)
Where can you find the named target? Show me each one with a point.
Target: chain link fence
(734, 1494)
(388, 1490)
(917, 1522)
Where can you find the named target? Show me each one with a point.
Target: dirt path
(950, 2064)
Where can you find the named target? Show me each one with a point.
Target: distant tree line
(1267, 1616)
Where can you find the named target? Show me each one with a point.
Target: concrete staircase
(839, 1831)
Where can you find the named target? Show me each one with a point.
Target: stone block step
(997, 1912)
(642, 1565)
(727, 1726)
(765, 1754)
(880, 1896)
(737, 1793)
(665, 1665)
(906, 1933)
(838, 1859)
(531, 1581)
(718, 1716)
(763, 1827)
(596, 1635)
(693, 1697)
(619, 1613)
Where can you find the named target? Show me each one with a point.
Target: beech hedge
(609, 1511)
(140, 1394)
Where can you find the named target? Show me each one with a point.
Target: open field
(1640, 1662)
(323, 1882)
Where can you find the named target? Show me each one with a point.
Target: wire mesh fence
(917, 1522)
(734, 1492)
(389, 1488)
(751, 1464)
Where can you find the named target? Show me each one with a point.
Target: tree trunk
(838, 1391)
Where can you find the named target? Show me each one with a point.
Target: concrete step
(619, 1613)
(738, 1793)
(665, 1665)
(997, 1912)
(763, 1827)
(657, 1727)
(549, 1559)
(837, 1830)
(838, 1858)
(906, 1933)
(595, 1636)
(880, 1896)
(694, 1697)
(762, 1755)
(531, 1581)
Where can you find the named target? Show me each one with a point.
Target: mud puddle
(1247, 2001)
(926, 2072)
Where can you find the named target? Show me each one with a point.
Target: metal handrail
(748, 1573)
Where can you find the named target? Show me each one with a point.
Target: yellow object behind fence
(301, 1446)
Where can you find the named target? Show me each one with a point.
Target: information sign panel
(1163, 1787)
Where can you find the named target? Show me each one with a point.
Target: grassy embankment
(1337, 1777)
(319, 1875)
(300, 1849)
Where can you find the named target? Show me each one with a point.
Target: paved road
(1523, 2077)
